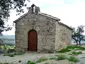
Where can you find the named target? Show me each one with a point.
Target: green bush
(73, 59)
(13, 54)
(72, 47)
(64, 50)
(76, 47)
(31, 62)
(7, 54)
(77, 53)
(53, 58)
(61, 57)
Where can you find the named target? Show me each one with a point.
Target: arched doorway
(32, 40)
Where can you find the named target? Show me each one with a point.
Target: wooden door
(32, 40)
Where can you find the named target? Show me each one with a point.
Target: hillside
(8, 39)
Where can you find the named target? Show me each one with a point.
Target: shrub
(53, 58)
(61, 57)
(73, 59)
(75, 47)
(76, 53)
(64, 50)
(69, 48)
(11, 54)
(31, 62)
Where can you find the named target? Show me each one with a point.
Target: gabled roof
(43, 14)
(50, 16)
(65, 25)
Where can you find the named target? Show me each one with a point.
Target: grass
(73, 59)
(64, 50)
(76, 53)
(31, 62)
(53, 58)
(10, 55)
(41, 59)
(71, 47)
(61, 57)
(46, 63)
(13, 54)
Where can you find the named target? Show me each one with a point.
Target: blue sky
(71, 12)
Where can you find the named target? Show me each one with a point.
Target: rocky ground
(34, 56)
(23, 59)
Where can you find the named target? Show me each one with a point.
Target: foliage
(9, 54)
(5, 7)
(41, 59)
(73, 59)
(76, 53)
(53, 58)
(61, 57)
(64, 50)
(71, 47)
(31, 62)
(76, 47)
(46, 63)
(13, 54)
(78, 34)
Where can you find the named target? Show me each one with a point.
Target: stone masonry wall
(63, 36)
(45, 28)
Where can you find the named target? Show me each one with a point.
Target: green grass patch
(31, 62)
(53, 58)
(73, 59)
(76, 53)
(64, 50)
(61, 57)
(72, 47)
(10, 55)
(41, 59)
(13, 54)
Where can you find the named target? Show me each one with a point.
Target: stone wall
(45, 27)
(63, 36)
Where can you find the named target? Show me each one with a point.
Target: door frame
(36, 39)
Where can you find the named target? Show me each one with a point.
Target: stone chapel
(40, 32)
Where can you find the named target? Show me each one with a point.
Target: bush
(73, 59)
(11, 54)
(69, 48)
(76, 53)
(75, 47)
(11, 50)
(61, 57)
(30, 62)
(64, 50)
(53, 58)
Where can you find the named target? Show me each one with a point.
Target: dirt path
(81, 58)
(23, 58)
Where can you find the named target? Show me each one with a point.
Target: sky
(71, 12)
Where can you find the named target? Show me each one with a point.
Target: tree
(77, 34)
(6, 6)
